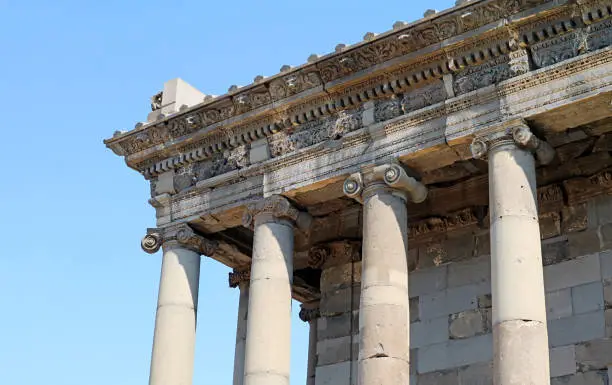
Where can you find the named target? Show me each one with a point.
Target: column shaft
(312, 352)
(269, 320)
(241, 333)
(384, 307)
(519, 311)
(175, 322)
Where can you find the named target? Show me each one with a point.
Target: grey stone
(555, 250)
(334, 350)
(583, 242)
(550, 225)
(599, 211)
(605, 235)
(476, 374)
(594, 354)
(260, 151)
(475, 271)
(469, 323)
(414, 309)
(428, 332)
(608, 321)
(559, 304)
(333, 327)
(335, 302)
(574, 218)
(605, 260)
(451, 301)
(587, 298)
(447, 377)
(455, 353)
(485, 301)
(589, 378)
(165, 183)
(578, 328)
(562, 361)
(336, 374)
(427, 281)
(572, 273)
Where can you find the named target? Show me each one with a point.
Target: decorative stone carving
(293, 84)
(492, 72)
(423, 97)
(440, 225)
(387, 109)
(309, 314)
(516, 131)
(239, 276)
(555, 50)
(317, 256)
(599, 35)
(275, 207)
(156, 101)
(391, 176)
(183, 235)
(333, 254)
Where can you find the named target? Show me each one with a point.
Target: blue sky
(77, 294)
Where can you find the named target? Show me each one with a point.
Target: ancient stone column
(175, 321)
(240, 279)
(519, 312)
(384, 319)
(310, 313)
(269, 321)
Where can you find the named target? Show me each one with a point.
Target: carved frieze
(237, 277)
(387, 109)
(492, 72)
(438, 225)
(555, 50)
(581, 189)
(423, 97)
(336, 253)
(599, 35)
(293, 84)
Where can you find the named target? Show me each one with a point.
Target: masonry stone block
(414, 309)
(428, 332)
(589, 378)
(583, 242)
(165, 183)
(485, 301)
(334, 350)
(605, 234)
(333, 327)
(338, 301)
(575, 329)
(587, 298)
(608, 321)
(559, 304)
(599, 211)
(476, 374)
(550, 225)
(474, 271)
(260, 151)
(574, 218)
(446, 377)
(572, 273)
(426, 281)
(469, 323)
(451, 301)
(455, 353)
(562, 361)
(605, 258)
(482, 244)
(555, 250)
(594, 355)
(336, 374)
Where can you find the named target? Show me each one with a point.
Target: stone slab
(572, 273)
(428, 332)
(455, 353)
(451, 301)
(426, 281)
(587, 298)
(559, 304)
(471, 272)
(575, 329)
(562, 361)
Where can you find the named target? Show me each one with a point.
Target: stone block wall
(451, 334)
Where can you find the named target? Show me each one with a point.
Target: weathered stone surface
(555, 250)
(574, 218)
(336, 374)
(474, 271)
(605, 234)
(572, 273)
(579, 328)
(562, 361)
(583, 242)
(429, 332)
(594, 355)
(608, 321)
(589, 378)
(334, 350)
(550, 225)
(469, 323)
(599, 211)
(587, 298)
(425, 281)
(455, 353)
(414, 309)
(451, 301)
(559, 304)
(445, 377)
(480, 374)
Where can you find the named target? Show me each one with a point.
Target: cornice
(278, 102)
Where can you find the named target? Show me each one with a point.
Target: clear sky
(77, 294)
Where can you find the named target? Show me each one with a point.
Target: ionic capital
(515, 132)
(181, 236)
(273, 208)
(334, 254)
(310, 312)
(237, 277)
(390, 176)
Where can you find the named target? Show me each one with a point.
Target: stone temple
(436, 196)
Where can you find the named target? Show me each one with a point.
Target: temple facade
(436, 196)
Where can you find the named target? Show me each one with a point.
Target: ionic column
(310, 313)
(384, 319)
(269, 321)
(240, 279)
(175, 322)
(519, 312)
